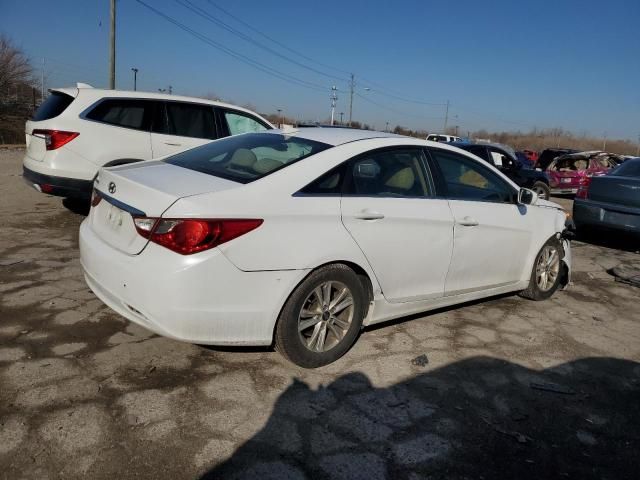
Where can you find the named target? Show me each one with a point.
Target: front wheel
(546, 274)
(542, 190)
(322, 317)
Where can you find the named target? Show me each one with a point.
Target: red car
(568, 172)
(531, 155)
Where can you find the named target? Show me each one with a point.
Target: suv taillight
(583, 190)
(55, 138)
(187, 236)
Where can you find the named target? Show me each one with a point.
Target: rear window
(630, 168)
(123, 113)
(245, 158)
(53, 106)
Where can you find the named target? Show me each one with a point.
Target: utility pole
(334, 97)
(112, 48)
(42, 84)
(135, 78)
(342, 113)
(604, 142)
(281, 118)
(446, 118)
(352, 86)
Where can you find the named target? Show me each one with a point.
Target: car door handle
(468, 222)
(369, 215)
(173, 144)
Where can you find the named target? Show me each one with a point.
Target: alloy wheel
(547, 268)
(325, 316)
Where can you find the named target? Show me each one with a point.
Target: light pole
(387, 127)
(135, 78)
(341, 114)
(334, 98)
(281, 117)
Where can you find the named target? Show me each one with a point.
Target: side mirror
(527, 197)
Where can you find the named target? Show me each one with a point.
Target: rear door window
(53, 106)
(190, 120)
(241, 123)
(123, 112)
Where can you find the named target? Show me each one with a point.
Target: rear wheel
(542, 190)
(322, 318)
(547, 270)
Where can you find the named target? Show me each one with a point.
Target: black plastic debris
(629, 274)
(420, 361)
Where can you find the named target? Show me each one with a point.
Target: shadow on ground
(477, 418)
(610, 239)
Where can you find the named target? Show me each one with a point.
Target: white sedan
(301, 238)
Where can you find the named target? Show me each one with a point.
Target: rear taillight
(55, 138)
(187, 236)
(583, 189)
(95, 198)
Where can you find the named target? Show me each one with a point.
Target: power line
(243, 58)
(295, 52)
(207, 16)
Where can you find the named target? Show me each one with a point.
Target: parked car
(504, 159)
(610, 201)
(441, 137)
(305, 236)
(531, 155)
(524, 160)
(78, 130)
(548, 155)
(567, 172)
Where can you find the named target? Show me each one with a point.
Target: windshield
(248, 157)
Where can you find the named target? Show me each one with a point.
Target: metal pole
(342, 113)
(42, 90)
(446, 118)
(280, 115)
(352, 85)
(112, 48)
(135, 78)
(334, 97)
(604, 143)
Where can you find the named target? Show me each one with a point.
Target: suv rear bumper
(60, 186)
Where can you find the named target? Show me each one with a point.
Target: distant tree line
(19, 92)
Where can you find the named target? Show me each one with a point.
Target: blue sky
(503, 65)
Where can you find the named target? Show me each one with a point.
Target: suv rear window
(53, 106)
(123, 113)
(248, 157)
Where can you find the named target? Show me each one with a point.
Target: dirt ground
(506, 388)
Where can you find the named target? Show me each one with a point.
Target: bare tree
(15, 68)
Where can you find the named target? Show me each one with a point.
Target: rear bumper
(60, 186)
(201, 298)
(592, 214)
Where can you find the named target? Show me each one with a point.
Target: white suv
(441, 137)
(78, 130)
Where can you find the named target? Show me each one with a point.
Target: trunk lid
(624, 191)
(144, 189)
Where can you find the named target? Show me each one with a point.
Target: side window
(190, 120)
(481, 152)
(123, 113)
(466, 179)
(389, 173)
(239, 123)
(328, 184)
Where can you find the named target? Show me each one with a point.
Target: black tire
(533, 291)
(542, 189)
(290, 343)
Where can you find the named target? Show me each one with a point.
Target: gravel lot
(512, 388)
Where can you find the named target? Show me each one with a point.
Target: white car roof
(98, 93)
(334, 136)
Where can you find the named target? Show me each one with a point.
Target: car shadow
(79, 206)
(610, 239)
(475, 418)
